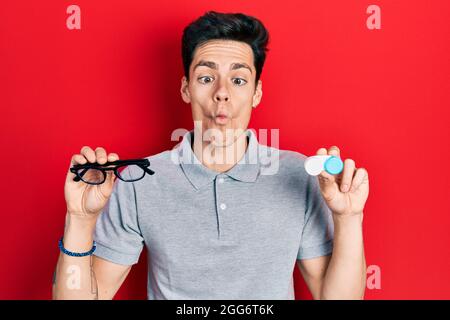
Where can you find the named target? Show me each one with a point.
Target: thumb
(327, 183)
(111, 177)
(107, 186)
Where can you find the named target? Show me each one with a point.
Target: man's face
(221, 87)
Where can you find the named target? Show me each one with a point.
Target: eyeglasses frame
(142, 163)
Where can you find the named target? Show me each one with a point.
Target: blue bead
(75, 254)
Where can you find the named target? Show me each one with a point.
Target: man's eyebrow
(208, 64)
(239, 65)
(213, 65)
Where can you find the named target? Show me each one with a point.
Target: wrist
(81, 217)
(80, 221)
(355, 218)
(79, 232)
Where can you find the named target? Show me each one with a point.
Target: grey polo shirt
(210, 235)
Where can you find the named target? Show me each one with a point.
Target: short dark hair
(225, 26)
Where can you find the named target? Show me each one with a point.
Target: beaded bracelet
(75, 254)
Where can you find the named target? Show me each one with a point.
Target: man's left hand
(347, 192)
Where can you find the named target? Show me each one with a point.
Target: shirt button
(221, 180)
(223, 206)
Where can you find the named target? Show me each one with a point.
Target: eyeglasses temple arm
(77, 178)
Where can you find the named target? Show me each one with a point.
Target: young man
(217, 228)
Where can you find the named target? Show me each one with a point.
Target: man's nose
(222, 94)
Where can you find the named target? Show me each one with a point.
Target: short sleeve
(318, 226)
(117, 234)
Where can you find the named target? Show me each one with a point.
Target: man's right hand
(100, 278)
(84, 199)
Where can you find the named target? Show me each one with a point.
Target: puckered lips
(221, 118)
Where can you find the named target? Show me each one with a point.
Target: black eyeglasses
(95, 173)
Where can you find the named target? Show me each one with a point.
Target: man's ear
(258, 94)
(184, 90)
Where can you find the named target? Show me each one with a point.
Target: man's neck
(218, 158)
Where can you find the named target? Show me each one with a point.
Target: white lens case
(314, 165)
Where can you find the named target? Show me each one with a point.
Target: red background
(382, 96)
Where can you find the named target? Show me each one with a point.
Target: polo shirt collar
(246, 170)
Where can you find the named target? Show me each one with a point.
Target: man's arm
(313, 272)
(343, 274)
(85, 278)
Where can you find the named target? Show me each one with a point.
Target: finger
(327, 185)
(77, 159)
(110, 176)
(334, 151)
(88, 153)
(106, 187)
(361, 176)
(100, 154)
(113, 157)
(326, 177)
(321, 152)
(347, 174)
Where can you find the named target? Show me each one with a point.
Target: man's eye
(239, 81)
(205, 79)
